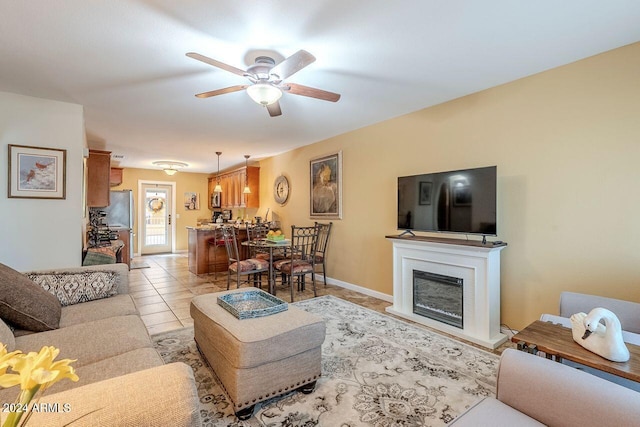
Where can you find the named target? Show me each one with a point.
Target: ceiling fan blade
(292, 64)
(221, 91)
(274, 109)
(215, 63)
(311, 92)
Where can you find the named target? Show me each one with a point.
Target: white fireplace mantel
(476, 263)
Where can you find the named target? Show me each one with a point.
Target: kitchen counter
(205, 258)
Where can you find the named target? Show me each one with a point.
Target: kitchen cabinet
(98, 174)
(125, 253)
(115, 177)
(233, 184)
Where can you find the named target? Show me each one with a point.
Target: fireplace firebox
(438, 297)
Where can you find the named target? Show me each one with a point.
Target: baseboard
(356, 288)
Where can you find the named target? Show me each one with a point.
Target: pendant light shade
(218, 187)
(246, 190)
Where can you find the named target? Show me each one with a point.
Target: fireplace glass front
(438, 297)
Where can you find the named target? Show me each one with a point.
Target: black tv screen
(462, 201)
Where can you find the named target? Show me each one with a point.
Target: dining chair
(250, 268)
(324, 231)
(257, 232)
(300, 259)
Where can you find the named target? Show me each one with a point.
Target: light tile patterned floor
(163, 292)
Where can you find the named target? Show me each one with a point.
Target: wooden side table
(557, 342)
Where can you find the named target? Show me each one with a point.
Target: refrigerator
(120, 214)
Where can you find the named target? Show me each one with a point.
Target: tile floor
(163, 291)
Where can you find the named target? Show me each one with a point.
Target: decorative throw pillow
(25, 304)
(74, 288)
(99, 256)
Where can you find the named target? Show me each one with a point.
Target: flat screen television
(462, 201)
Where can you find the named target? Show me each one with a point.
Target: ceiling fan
(267, 80)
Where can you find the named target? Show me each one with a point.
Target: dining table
(270, 246)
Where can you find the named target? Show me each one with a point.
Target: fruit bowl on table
(278, 238)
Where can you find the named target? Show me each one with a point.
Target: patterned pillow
(25, 304)
(74, 288)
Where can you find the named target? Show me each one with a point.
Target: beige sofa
(123, 380)
(534, 391)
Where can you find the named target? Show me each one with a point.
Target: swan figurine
(604, 340)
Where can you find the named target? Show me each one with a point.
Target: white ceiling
(124, 61)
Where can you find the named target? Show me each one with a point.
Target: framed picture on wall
(37, 172)
(326, 186)
(191, 201)
(216, 200)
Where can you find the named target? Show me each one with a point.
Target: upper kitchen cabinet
(115, 177)
(98, 176)
(233, 184)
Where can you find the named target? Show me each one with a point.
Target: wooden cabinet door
(125, 236)
(98, 174)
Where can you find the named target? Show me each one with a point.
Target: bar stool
(213, 245)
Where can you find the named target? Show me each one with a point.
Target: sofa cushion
(492, 412)
(122, 364)
(92, 341)
(74, 288)
(118, 305)
(25, 304)
(6, 336)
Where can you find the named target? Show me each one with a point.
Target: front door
(156, 225)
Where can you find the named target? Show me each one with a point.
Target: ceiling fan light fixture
(264, 93)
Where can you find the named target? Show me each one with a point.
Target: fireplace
(467, 273)
(438, 297)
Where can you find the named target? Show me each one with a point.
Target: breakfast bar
(205, 258)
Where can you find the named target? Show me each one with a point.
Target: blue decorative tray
(251, 304)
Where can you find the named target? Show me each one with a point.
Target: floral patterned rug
(376, 371)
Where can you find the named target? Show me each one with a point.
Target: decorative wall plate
(281, 189)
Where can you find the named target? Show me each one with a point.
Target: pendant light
(246, 190)
(218, 187)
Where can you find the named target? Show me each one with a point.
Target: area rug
(376, 371)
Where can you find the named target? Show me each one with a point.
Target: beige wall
(567, 146)
(185, 182)
(42, 233)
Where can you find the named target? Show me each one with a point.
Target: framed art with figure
(326, 186)
(37, 172)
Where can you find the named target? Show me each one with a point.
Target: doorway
(157, 217)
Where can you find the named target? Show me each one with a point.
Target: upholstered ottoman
(258, 358)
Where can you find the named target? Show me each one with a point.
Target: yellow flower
(6, 361)
(40, 369)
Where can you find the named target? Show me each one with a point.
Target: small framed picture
(37, 172)
(424, 198)
(216, 200)
(191, 201)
